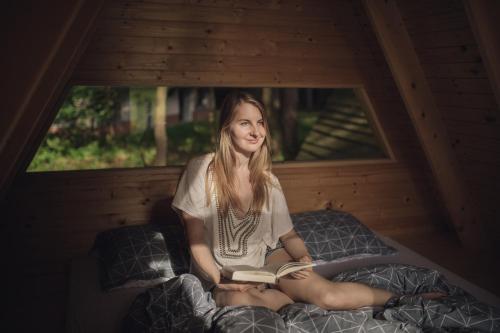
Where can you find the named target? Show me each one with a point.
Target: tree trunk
(121, 121)
(211, 114)
(288, 117)
(272, 118)
(189, 99)
(160, 126)
(309, 99)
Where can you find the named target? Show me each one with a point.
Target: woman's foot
(394, 300)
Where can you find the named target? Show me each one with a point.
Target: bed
(179, 303)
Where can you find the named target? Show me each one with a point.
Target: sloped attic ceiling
(37, 73)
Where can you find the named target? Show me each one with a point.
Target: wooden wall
(55, 216)
(449, 54)
(222, 43)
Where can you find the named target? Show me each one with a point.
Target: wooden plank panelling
(152, 43)
(439, 39)
(468, 70)
(226, 47)
(409, 76)
(464, 93)
(37, 73)
(483, 18)
(458, 99)
(44, 204)
(470, 85)
(202, 63)
(448, 54)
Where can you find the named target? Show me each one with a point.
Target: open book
(267, 274)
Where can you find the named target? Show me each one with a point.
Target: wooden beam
(40, 57)
(483, 17)
(417, 96)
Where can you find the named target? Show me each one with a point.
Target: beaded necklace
(234, 231)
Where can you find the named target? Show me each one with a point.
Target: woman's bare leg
(270, 298)
(333, 295)
(327, 294)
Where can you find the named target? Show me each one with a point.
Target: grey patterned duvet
(181, 305)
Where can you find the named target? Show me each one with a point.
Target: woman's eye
(244, 123)
(261, 123)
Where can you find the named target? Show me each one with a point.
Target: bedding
(181, 305)
(333, 235)
(140, 256)
(145, 255)
(94, 311)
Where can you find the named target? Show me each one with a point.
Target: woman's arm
(295, 247)
(200, 252)
(203, 257)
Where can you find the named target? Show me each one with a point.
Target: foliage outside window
(117, 127)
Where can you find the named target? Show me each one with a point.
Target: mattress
(92, 310)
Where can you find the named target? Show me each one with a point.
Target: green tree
(87, 114)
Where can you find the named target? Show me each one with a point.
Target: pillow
(332, 235)
(140, 256)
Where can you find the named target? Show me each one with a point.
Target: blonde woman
(233, 209)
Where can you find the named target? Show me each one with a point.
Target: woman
(233, 209)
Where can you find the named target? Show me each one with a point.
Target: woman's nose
(253, 130)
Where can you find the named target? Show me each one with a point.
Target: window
(117, 127)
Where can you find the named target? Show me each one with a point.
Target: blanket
(181, 305)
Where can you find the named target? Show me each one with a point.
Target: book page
(237, 268)
(268, 273)
(271, 268)
(249, 273)
(292, 267)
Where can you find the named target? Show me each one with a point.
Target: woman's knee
(275, 299)
(249, 297)
(227, 298)
(272, 299)
(334, 299)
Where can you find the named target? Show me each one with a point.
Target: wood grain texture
(464, 90)
(37, 73)
(57, 215)
(483, 19)
(421, 105)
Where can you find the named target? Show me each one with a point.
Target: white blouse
(233, 240)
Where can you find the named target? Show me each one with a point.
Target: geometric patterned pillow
(133, 256)
(332, 235)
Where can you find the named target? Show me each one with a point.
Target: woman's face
(247, 129)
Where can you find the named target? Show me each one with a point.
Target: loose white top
(232, 240)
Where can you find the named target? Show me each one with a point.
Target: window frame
(363, 98)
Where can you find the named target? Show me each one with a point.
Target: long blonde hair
(223, 164)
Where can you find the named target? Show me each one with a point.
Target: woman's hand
(304, 273)
(228, 285)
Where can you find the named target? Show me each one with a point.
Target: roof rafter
(483, 18)
(426, 118)
(37, 87)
